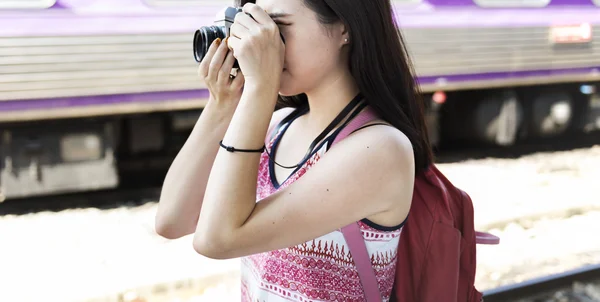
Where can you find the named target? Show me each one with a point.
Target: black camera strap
(301, 111)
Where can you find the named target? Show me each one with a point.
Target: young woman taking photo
(269, 187)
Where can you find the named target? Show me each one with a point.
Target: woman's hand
(215, 69)
(257, 45)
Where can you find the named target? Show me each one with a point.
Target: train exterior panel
(128, 66)
(127, 54)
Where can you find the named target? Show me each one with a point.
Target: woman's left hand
(257, 45)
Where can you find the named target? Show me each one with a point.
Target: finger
(246, 21)
(223, 77)
(238, 30)
(217, 61)
(203, 68)
(238, 81)
(233, 43)
(257, 13)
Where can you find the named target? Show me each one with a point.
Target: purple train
(93, 89)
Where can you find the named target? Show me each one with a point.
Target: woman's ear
(343, 34)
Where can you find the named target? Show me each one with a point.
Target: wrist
(268, 84)
(220, 112)
(259, 90)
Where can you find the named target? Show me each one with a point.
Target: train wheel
(498, 118)
(551, 114)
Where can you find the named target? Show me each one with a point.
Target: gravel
(114, 254)
(579, 292)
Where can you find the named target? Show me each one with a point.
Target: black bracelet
(232, 149)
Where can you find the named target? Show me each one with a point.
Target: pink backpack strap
(360, 255)
(352, 233)
(358, 121)
(486, 238)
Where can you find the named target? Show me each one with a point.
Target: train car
(93, 90)
(506, 70)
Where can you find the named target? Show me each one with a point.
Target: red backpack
(437, 252)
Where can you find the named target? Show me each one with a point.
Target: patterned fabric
(318, 270)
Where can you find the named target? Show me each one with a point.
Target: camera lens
(204, 37)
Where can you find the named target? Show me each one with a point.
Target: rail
(545, 285)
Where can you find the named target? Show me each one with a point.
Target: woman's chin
(286, 87)
(287, 92)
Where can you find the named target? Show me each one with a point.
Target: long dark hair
(380, 65)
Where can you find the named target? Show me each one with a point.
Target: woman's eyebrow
(278, 15)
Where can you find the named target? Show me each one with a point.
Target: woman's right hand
(215, 71)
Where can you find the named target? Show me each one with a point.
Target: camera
(205, 36)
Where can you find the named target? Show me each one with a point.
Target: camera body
(221, 28)
(205, 36)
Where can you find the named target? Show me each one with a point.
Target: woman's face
(312, 53)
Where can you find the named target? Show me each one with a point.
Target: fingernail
(218, 41)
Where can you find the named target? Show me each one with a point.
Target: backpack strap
(352, 233)
(356, 123)
(486, 238)
(360, 255)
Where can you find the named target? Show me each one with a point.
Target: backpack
(437, 248)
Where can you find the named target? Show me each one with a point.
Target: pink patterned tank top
(321, 269)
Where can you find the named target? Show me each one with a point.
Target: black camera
(204, 36)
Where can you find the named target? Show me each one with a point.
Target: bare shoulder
(388, 141)
(388, 154)
(277, 116)
(281, 113)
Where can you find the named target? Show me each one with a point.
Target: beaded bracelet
(232, 149)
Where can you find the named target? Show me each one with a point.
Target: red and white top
(321, 269)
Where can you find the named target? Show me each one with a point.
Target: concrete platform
(115, 256)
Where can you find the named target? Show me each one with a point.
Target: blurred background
(97, 97)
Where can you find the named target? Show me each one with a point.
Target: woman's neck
(329, 99)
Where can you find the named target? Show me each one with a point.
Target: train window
(512, 3)
(26, 4)
(186, 2)
(401, 2)
(228, 2)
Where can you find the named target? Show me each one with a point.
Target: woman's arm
(185, 182)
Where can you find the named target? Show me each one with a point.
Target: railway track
(578, 285)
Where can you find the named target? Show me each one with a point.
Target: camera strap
(301, 111)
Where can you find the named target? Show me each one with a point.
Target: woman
(280, 208)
